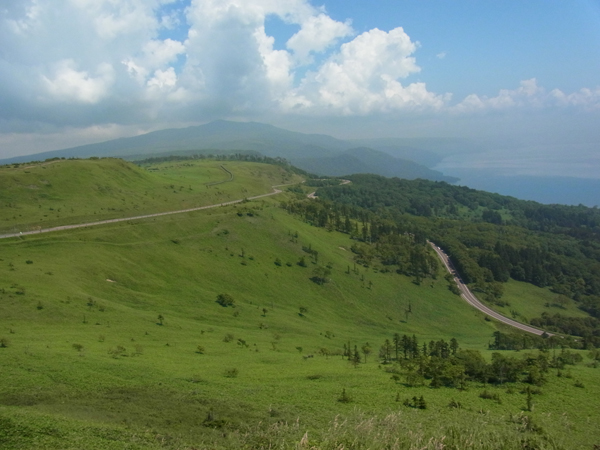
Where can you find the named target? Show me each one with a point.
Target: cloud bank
(90, 63)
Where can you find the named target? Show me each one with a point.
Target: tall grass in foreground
(394, 431)
(400, 431)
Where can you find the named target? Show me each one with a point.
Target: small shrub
(487, 395)
(29, 261)
(225, 300)
(117, 351)
(228, 337)
(418, 403)
(197, 379)
(78, 347)
(532, 390)
(212, 422)
(454, 404)
(579, 384)
(526, 423)
(4, 342)
(200, 349)
(344, 397)
(232, 373)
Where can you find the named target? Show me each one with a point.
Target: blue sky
(527, 73)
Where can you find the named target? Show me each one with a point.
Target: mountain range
(317, 153)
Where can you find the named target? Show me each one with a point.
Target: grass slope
(526, 301)
(90, 364)
(78, 191)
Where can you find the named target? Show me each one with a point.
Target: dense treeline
(440, 199)
(587, 327)
(489, 237)
(377, 240)
(441, 363)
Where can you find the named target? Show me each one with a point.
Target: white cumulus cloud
(363, 77)
(527, 96)
(86, 63)
(317, 33)
(69, 84)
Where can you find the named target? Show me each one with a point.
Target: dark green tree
(367, 350)
(225, 300)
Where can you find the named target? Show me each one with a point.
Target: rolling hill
(308, 151)
(221, 328)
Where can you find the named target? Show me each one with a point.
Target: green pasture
(526, 301)
(115, 340)
(62, 192)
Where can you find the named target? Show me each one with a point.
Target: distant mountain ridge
(317, 153)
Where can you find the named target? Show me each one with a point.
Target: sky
(519, 79)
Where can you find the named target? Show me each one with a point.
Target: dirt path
(145, 216)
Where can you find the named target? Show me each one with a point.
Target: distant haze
(523, 94)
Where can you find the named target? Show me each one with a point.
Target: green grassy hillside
(112, 338)
(77, 191)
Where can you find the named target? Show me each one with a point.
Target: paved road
(465, 292)
(468, 296)
(313, 195)
(103, 222)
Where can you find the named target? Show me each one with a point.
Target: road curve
(468, 296)
(145, 216)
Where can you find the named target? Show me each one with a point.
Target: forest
(489, 237)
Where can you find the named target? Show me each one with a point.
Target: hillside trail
(145, 216)
(313, 194)
(466, 293)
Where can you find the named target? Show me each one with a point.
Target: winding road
(468, 296)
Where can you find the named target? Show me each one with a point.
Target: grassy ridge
(89, 363)
(78, 191)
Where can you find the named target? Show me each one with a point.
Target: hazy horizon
(525, 92)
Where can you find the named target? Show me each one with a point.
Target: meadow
(113, 336)
(64, 192)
